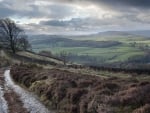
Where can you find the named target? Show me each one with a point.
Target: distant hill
(114, 33)
(58, 41)
(145, 33)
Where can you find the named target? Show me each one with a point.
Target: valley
(35, 85)
(100, 49)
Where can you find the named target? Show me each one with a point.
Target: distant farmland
(107, 49)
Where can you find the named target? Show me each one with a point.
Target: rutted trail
(9, 101)
(3, 103)
(30, 102)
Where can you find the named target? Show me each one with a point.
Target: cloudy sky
(77, 16)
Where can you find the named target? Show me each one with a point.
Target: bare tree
(22, 43)
(11, 34)
(64, 56)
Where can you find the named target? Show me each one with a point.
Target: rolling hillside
(98, 49)
(7, 58)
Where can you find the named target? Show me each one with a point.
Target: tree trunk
(13, 46)
(13, 50)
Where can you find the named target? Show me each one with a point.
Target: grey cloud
(30, 10)
(119, 22)
(5, 12)
(59, 12)
(54, 23)
(78, 24)
(74, 22)
(135, 3)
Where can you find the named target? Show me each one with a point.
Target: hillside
(105, 48)
(8, 58)
(72, 92)
(77, 89)
(64, 42)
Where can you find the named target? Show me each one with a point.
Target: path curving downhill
(29, 101)
(3, 102)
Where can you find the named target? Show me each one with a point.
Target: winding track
(14, 99)
(29, 100)
(3, 103)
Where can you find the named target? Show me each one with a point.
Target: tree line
(12, 36)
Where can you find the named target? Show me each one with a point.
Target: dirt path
(13, 103)
(30, 101)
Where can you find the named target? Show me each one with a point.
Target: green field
(116, 53)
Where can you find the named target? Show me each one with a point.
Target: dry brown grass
(69, 92)
(143, 109)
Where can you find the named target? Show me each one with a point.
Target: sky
(66, 17)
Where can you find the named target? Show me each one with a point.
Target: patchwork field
(107, 49)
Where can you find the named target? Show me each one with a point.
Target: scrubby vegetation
(68, 92)
(4, 62)
(7, 58)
